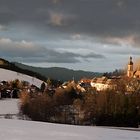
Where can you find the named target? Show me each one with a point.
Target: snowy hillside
(8, 75)
(27, 130)
(30, 130)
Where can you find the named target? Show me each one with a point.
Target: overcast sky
(93, 35)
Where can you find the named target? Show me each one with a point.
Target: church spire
(130, 68)
(130, 61)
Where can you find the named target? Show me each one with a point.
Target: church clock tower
(130, 68)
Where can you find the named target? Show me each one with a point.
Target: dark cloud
(95, 17)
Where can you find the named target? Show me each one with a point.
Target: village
(12, 89)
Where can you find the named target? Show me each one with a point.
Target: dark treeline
(105, 108)
(117, 72)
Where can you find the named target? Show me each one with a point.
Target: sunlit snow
(8, 75)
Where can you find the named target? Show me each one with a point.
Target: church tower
(130, 68)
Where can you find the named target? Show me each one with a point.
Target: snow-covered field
(8, 75)
(30, 130)
(9, 106)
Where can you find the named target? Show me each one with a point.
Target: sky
(91, 35)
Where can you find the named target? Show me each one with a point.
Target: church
(131, 73)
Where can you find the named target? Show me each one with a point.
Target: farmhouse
(102, 83)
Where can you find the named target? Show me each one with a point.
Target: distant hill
(55, 73)
(58, 73)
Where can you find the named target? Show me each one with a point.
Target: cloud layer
(30, 52)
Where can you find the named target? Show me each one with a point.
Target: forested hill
(11, 66)
(58, 73)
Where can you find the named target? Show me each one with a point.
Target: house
(102, 83)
